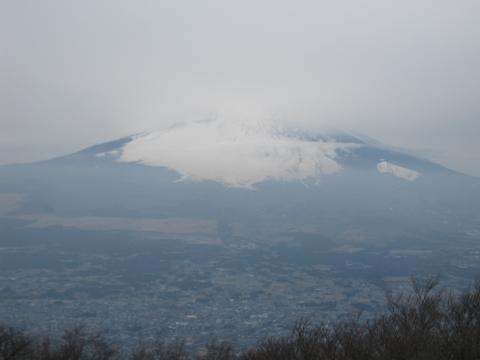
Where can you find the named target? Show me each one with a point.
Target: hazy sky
(75, 73)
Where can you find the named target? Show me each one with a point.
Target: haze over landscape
(198, 170)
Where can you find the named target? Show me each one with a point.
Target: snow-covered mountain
(242, 155)
(249, 176)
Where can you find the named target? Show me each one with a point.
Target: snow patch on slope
(234, 153)
(108, 153)
(385, 167)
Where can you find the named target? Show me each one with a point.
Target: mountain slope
(287, 181)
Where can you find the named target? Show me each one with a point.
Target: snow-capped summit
(245, 154)
(236, 154)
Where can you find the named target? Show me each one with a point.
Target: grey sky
(74, 73)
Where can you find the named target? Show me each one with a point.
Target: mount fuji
(212, 180)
